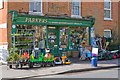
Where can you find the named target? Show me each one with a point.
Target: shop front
(40, 32)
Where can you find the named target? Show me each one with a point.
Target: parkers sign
(36, 20)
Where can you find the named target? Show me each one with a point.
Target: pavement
(76, 66)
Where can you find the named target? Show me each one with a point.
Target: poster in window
(1, 4)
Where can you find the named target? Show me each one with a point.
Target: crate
(75, 54)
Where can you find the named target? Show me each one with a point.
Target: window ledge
(76, 16)
(35, 13)
(107, 19)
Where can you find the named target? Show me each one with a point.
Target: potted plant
(13, 56)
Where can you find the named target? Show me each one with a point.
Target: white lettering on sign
(35, 20)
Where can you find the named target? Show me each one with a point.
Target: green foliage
(13, 55)
(113, 46)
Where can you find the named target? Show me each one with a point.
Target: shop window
(29, 37)
(52, 37)
(63, 37)
(107, 33)
(76, 9)
(35, 7)
(1, 4)
(107, 9)
(78, 35)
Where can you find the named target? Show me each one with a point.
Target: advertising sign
(94, 51)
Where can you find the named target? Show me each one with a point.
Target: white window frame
(1, 4)
(108, 30)
(76, 16)
(108, 9)
(36, 13)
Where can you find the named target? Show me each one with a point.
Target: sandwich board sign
(94, 51)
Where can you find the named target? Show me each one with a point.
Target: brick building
(3, 24)
(105, 13)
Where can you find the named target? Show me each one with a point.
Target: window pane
(31, 6)
(107, 34)
(1, 4)
(38, 6)
(75, 8)
(35, 6)
(107, 5)
(106, 13)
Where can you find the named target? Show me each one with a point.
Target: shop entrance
(53, 39)
(58, 39)
(58, 34)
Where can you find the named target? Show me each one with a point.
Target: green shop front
(57, 33)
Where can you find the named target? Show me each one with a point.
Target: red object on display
(114, 56)
(25, 54)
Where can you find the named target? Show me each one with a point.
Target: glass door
(53, 40)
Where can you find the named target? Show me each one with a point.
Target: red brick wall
(3, 13)
(18, 6)
(3, 27)
(57, 8)
(113, 24)
(119, 22)
(95, 9)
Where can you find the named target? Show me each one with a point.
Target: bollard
(94, 61)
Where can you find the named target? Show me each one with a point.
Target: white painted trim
(77, 16)
(109, 10)
(37, 13)
(1, 4)
(108, 31)
(109, 19)
(4, 25)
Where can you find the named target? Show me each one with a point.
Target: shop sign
(36, 20)
(39, 20)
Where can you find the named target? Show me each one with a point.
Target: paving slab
(80, 66)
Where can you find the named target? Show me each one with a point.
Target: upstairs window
(76, 7)
(1, 4)
(35, 7)
(107, 10)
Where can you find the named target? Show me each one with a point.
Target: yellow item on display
(32, 56)
(64, 60)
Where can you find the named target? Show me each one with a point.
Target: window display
(29, 37)
(39, 37)
(52, 38)
(77, 36)
(63, 37)
(23, 37)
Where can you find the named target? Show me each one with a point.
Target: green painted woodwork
(44, 20)
(18, 19)
(51, 21)
(68, 38)
(46, 37)
(89, 36)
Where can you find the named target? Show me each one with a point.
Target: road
(107, 73)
